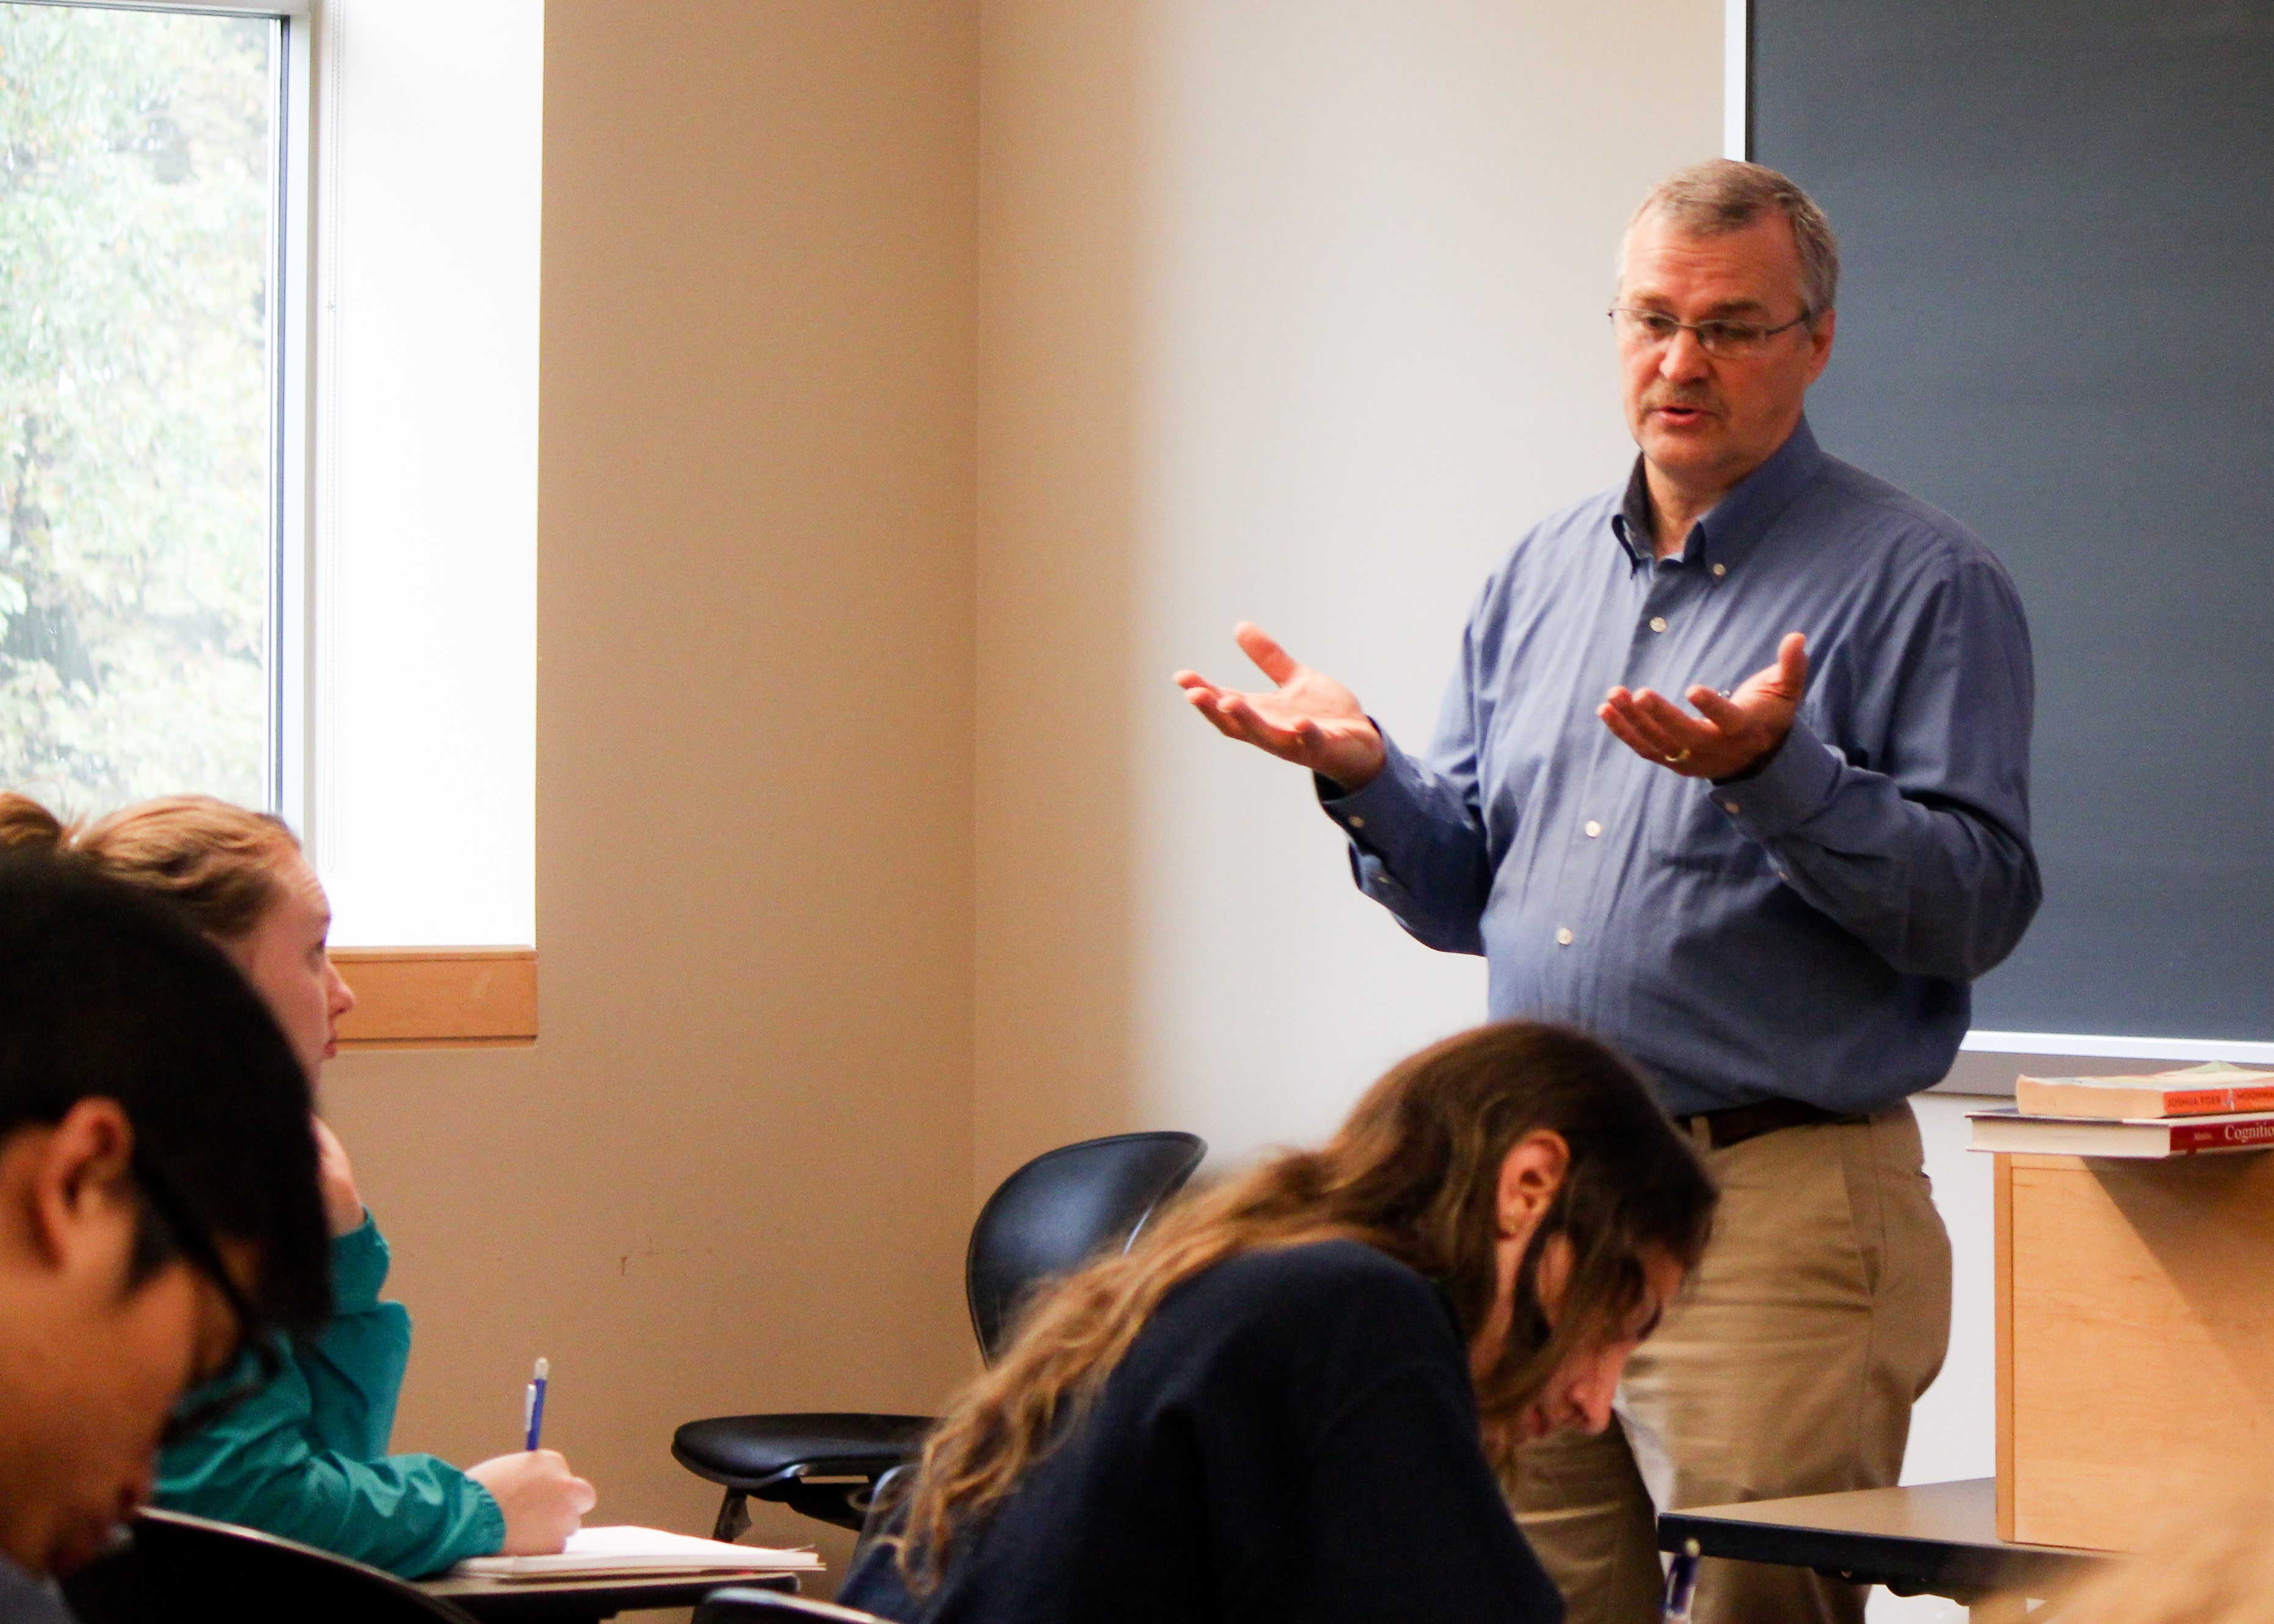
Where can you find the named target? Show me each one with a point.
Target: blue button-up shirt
(1807, 933)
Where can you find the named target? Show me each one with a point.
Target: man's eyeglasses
(256, 1358)
(1728, 339)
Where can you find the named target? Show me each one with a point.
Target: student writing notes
(1282, 1404)
(159, 1215)
(306, 1457)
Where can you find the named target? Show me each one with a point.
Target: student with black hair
(160, 1218)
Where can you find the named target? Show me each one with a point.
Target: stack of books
(2199, 1110)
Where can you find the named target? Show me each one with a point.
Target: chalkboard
(2056, 220)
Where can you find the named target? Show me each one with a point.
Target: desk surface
(567, 1601)
(1932, 1538)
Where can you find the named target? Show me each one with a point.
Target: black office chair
(1048, 1218)
(884, 1509)
(187, 1570)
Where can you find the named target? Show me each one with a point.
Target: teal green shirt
(306, 1457)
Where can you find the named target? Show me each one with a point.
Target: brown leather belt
(1740, 1123)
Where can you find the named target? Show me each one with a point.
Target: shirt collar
(1742, 518)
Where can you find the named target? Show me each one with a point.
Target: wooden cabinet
(2135, 1341)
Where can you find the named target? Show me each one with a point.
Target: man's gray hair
(1720, 195)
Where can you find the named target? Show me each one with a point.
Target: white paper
(598, 1552)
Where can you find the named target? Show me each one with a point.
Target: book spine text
(2188, 1137)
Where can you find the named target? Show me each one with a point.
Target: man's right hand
(1310, 719)
(543, 1501)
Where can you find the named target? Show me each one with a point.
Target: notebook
(638, 1552)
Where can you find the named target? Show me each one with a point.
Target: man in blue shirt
(1773, 897)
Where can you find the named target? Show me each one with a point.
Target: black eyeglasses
(256, 1358)
(1728, 339)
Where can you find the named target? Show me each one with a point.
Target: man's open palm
(1309, 718)
(1731, 736)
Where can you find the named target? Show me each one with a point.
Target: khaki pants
(1787, 1367)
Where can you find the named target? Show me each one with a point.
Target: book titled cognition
(2146, 1137)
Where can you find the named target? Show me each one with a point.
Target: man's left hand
(1733, 735)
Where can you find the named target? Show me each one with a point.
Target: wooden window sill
(438, 997)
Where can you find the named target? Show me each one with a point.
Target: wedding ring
(1678, 758)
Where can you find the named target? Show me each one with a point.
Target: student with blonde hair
(1286, 1402)
(306, 1455)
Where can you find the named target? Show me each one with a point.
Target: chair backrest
(1060, 1210)
(187, 1570)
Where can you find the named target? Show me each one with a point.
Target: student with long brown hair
(307, 1456)
(1288, 1401)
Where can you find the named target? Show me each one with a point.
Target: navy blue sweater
(1292, 1436)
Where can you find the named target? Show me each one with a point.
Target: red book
(2011, 1132)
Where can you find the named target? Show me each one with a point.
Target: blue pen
(532, 1404)
(1680, 1584)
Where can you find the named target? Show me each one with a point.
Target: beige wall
(1059, 179)
(923, 380)
(1291, 312)
(733, 1173)
(897, 441)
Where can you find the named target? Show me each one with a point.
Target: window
(268, 319)
(271, 501)
(141, 422)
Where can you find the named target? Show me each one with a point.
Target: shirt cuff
(484, 1529)
(360, 1262)
(1796, 785)
(1386, 795)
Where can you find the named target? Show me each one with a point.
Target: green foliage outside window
(135, 198)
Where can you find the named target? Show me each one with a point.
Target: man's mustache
(1695, 400)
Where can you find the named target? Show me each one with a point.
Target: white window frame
(448, 997)
(310, 627)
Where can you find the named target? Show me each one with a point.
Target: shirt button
(1358, 823)
(1563, 936)
(1658, 622)
(1594, 829)
(1730, 807)
(1721, 569)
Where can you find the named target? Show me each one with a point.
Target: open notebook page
(595, 1552)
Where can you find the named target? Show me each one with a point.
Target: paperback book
(2217, 1089)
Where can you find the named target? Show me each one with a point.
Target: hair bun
(24, 821)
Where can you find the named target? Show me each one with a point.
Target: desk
(1932, 1538)
(583, 1601)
